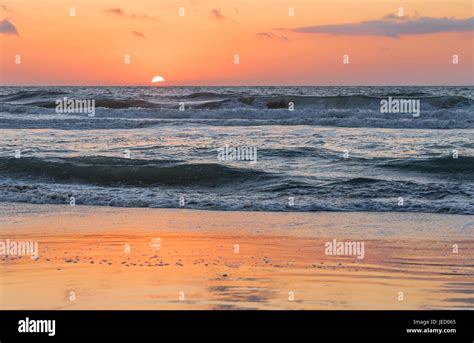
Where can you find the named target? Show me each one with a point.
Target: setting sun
(157, 79)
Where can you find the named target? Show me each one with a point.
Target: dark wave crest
(447, 164)
(107, 171)
(363, 101)
(28, 94)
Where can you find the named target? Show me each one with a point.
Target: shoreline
(280, 262)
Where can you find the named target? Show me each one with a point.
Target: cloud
(6, 9)
(8, 28)
(118, 12)
(216, 14)
(115, 11)
(271, 35)
(144, 17)
(138, 34)
(394, 26)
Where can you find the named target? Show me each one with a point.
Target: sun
(158, 79)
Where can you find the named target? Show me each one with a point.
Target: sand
(122, 258)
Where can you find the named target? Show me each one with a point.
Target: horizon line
(236, 86)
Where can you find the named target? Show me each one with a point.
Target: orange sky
(199, 48)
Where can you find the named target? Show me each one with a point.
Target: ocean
(316, 148)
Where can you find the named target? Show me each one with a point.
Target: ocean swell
(108, 171)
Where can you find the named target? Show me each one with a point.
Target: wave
(297, 152)
(238, 100)
(28, 94)
(273, 195)
(205, 95)
(132, 103)
(446, 164)
(448, 101)
(134, 107)
(355, 101)
(364, 101)
(108, 171)
(106, 103)
(360, 181)
(26, 117)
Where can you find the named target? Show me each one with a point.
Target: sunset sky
(274, 47)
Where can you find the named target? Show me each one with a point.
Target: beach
(142, 258)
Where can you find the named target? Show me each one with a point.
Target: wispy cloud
(216, 14)
(6, 8)
(144, 17)
(394, 26)
(138, 34)
(118, 12)
(8, 28)
(271, 35)
(115, 11)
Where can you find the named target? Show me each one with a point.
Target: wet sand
(122, 258)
